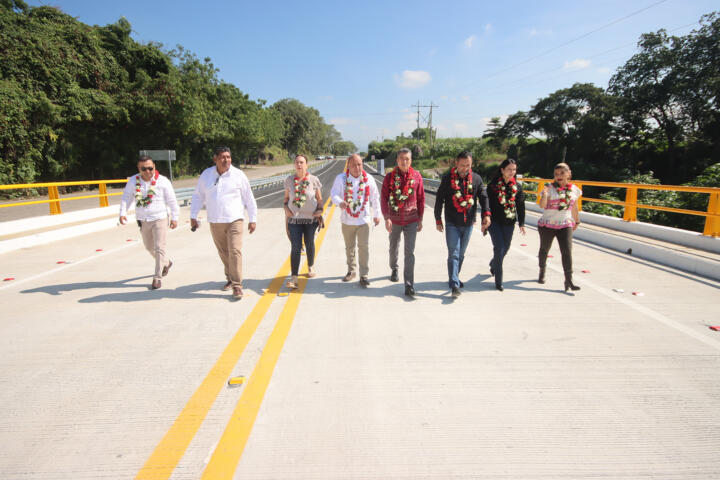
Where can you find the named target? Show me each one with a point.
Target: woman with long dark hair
(560, 219)
(507, 206)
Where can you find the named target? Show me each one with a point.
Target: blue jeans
(457, 239)
(297, 232)
(501, 236)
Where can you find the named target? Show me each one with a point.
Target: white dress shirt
(337, 195)
(163, 199)
(226, 196)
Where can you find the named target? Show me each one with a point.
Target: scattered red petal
(638, 294)
(550, 256)
(98, 249)
(60, 261)
(715, 327)
(523, 244)
(129, 239)
(8, 279)
(586, 271)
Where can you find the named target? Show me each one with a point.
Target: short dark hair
(145, 158)
(463, 154)
(404, 150)
(219, 150)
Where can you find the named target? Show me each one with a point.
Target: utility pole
(428, 120)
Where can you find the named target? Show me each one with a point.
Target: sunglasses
(147, 169)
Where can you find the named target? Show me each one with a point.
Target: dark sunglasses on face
(147, 169)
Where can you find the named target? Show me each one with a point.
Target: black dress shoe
(455, 292)
(462, 285)
(499, 286)
(409, 291)
(394, 275)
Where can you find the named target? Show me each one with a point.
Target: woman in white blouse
(560, 220)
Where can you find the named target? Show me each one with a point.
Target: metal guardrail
(712, 215)
(54, 195)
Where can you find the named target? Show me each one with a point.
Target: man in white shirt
(152, 195)
(225, 190)
(356, 193)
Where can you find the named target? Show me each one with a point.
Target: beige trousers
(228, 241)
(361, 235)
(154, 235)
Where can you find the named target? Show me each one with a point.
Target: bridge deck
(526, 383)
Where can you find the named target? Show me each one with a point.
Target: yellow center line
(227, 454)
(173, 445)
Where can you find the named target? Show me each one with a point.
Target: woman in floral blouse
(560, 220)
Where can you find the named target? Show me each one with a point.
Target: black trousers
(564, 237)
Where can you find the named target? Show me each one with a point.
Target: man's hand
(288, 212)
(173, 224)
(251, 227)
(123, 220)
(485, 223)
(388, 225)
(342, 205)
(419, 226)
(522, 230)
(377, 221)
(194, 224)
(439, 227)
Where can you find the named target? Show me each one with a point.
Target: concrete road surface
(102, 378)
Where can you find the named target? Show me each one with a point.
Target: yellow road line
(172, 447)
(227, 454)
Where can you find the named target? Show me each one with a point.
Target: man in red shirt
(402, 202)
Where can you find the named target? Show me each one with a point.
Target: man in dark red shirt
(402, 202)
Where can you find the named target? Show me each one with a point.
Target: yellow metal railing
(54, 194)
(712, 215)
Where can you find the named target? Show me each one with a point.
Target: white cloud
(341, 121)
(413, 79)
(488, 29)
(432, 52)
(470, 40)
(534, 32)
(578, 63)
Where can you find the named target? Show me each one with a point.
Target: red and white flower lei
(353, 207)
(506, 196)
(300, 190)
(141, 201)
(462, 201)
(565, 194)
(400, 193)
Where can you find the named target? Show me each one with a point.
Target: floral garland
(300, 190)
(506, 196)
(399, 194)
(353, 207)
(141, 201)
(462, 203)
(565, 194)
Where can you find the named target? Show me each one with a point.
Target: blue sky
(362, 64)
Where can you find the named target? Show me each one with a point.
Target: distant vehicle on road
(320, 157)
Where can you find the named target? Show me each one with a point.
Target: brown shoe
(227, 286)
(311, 272)
(166, 269)
(348, 277)
(237, 292)
(292, 284)
(364, 282)
(155, 284)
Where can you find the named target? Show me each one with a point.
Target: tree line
(78, 102)
(658, 121)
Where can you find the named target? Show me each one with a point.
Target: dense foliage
(78, 102)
